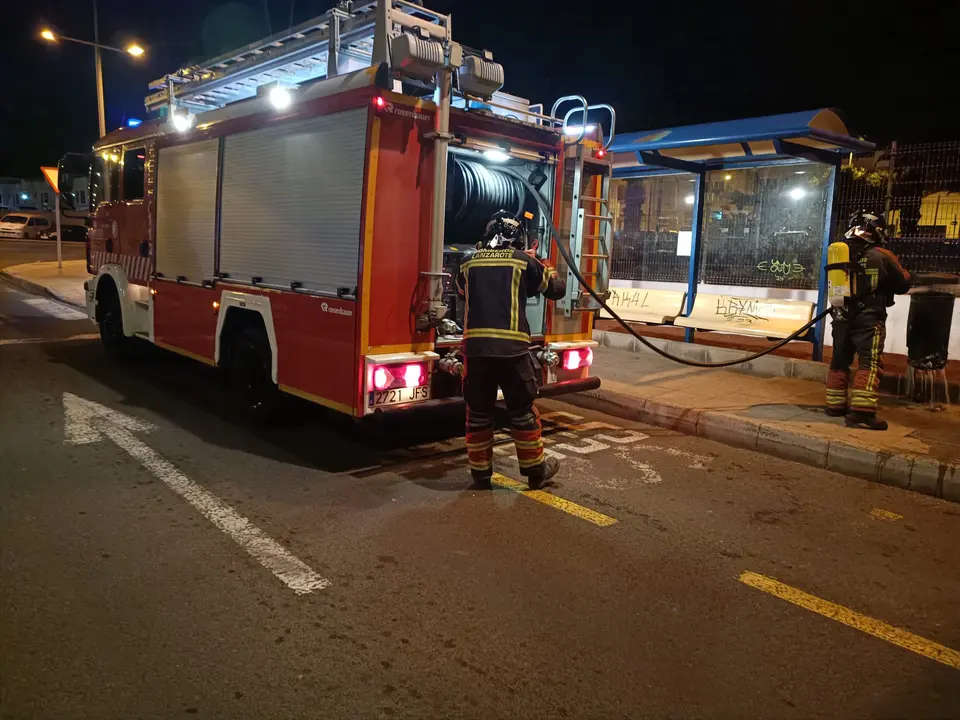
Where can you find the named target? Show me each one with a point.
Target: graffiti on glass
(781, 270)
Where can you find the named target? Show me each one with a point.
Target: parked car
(71, 233)
(24, 225)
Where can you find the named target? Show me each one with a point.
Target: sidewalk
(44, 278)
(895, 366)
(779, 415)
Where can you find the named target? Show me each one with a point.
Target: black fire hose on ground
(576, 272)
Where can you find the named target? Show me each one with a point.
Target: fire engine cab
(295, 212)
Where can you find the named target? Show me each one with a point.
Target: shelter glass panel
(652, 227)
(763, 227)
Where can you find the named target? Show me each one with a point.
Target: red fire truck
(297, 209)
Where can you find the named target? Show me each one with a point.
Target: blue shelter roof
(817, 135)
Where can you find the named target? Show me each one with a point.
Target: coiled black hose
(474, 193)
(576, 272)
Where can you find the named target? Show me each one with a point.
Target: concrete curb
(766, 366)
(37, 288)
(917, 473)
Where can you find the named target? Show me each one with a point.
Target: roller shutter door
(291, 202)
(186, 210)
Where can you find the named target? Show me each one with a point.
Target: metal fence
(918, 187)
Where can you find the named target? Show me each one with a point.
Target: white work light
(496, 155)
(797, 193)
(183, 121)
(281, 98)
(577, 130)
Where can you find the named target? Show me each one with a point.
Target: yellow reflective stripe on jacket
(493, 262)
(515, 300)
(494, 333)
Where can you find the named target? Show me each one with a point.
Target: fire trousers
(861, 335)
(517, 377)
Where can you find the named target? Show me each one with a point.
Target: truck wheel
(249, 374)
(110, 320)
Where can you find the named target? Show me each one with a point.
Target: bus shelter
(742, 208)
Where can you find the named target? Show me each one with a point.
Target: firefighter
(859, 324)
(496, 282)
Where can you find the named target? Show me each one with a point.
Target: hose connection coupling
(547, 358)
(448, 328)
(450, 364)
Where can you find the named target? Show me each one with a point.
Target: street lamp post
(101, 113)
(132, 49)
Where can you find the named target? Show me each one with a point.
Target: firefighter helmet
(504, 228)
(868, 226)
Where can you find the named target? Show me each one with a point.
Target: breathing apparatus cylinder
(839, 278)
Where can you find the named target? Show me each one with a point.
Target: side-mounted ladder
(591, 223)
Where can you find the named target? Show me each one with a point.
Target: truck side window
(98, 169)
(113, 174)
(133, 169)
(105, 179)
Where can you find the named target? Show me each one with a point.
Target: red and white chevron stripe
(137, 268)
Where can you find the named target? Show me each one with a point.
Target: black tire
(249, 374)
(110, 320)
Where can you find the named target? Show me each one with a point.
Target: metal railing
(917, 185)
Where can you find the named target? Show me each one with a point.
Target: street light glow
(47, 34)
(135, 50)
(797, 193)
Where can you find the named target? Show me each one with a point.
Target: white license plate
(397, 396)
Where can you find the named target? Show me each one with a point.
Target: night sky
(660, 64)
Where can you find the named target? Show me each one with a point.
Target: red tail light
(394, 376)
(379, 103)
(600, 154)
(412, 375)
(382, 378)
(576, 359)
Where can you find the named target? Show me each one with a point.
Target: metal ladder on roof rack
(348, 37)
(591, 232)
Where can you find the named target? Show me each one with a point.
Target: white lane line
(55, 309)
(86, 421)
(34, 341)
(297, 575)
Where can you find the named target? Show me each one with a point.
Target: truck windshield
(14, 219)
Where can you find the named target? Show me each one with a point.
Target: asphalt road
(15, 252)
(149, 562)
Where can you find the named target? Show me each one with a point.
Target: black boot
(835, 411)
(481, 480)
(864, 420)
(538, 476)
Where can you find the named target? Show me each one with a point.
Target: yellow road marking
(880, 514)
(877, 628)
(559, 503)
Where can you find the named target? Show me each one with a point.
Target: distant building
(36, 194)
